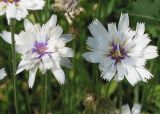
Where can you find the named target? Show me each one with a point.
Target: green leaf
(148, 9)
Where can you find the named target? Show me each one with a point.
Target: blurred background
(84, 78)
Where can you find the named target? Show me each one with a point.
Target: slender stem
(46, 10)
(28, 102)
(74, 78)
(93, 78)
(45, 87)
(45, 83)
(69, 93)
(94, 69)
(8, 98)
(108, 89)
(120, 95)
(12, 27)
(27, 98)
(100, 8)
(144, 95)
(136, 94)
(63, 93)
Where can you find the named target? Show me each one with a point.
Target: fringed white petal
(136, 109)
(150, 52)
(93, 57)
(32, 76)
(33, 4)
(97, 29)
(3, 73)
(125, 109)
(123, 23)
(59, 75)
(2, 8)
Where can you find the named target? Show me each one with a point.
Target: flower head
(135, 110)
(18, 8)
(43, 48)
(3, 73)
(70, 7)
(98, 105)
(120, 52)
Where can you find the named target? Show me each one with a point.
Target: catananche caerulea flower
(120, 52)
(43, 48)
(18, 8)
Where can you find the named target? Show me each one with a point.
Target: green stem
(69, 93)
(28, 103)
(120, 95)
(96, 87)
(100, 8)
(74, 78)
(63, 93)
(144, 95)
(12, 27)
(45, 83)
(136, 94)
(108, 88)
(45, 87)
(93, 78)
(46, 10)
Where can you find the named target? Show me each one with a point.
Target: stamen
(40, 48)
(118, 50)
(117, 53)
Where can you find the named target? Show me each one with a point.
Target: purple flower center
(40, 48)
(117, 53)
(11, 1)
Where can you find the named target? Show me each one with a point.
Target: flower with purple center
(117, 53)
(120, 52)
(42, 48)
(18, 9)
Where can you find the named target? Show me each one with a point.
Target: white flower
(135, 110)
(120, 52)
(43, 48)
(3, 73)
(18, 8)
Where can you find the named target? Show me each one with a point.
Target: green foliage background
(84, 77)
